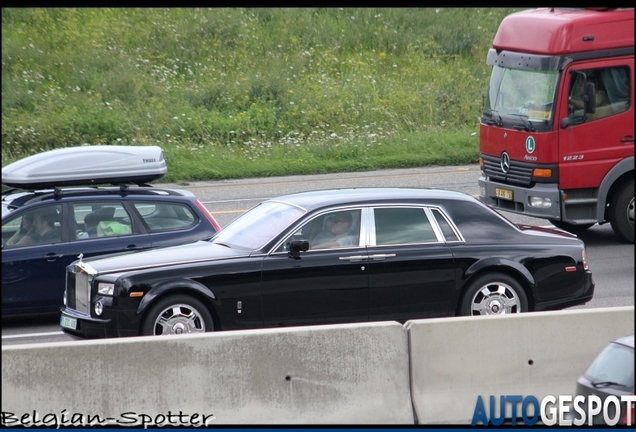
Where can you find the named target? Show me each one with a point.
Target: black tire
(493, 294)
(177, 314)
(571, 228)
(622, 212)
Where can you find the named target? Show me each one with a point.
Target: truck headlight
(106, 288)
(539, 202)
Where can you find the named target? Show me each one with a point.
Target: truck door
(606, 136)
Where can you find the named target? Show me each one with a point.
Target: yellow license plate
(504, 194)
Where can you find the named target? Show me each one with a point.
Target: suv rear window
(166, 216)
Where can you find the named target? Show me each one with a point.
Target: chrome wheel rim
(179, 319)
(495, 299)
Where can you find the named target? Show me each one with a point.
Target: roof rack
(87, 166)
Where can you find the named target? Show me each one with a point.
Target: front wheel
(622, 212)
(494, 294)
(177, 314)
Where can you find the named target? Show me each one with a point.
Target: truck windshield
(521, 99)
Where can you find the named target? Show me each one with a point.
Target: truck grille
(520, 173)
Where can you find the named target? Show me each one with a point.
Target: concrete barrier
(375, 373)
(455, 360)
(338, 374)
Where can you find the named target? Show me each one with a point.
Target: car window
(402, 225)
(160, 216)
(101, 219)
(336, 229)
(449, 233)
(41, 225)
(614, 364)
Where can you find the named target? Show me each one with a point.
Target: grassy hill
(231, 93)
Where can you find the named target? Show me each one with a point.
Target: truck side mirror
(590, 98)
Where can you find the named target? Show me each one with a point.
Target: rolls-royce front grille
(79, 279)
(82, 293)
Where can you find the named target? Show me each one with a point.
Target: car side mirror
(298, 246)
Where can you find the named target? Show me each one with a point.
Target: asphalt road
(611, 261)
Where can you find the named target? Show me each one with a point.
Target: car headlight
(106, 288)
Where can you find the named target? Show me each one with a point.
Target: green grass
(234, 93)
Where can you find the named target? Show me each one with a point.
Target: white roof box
(86, 165)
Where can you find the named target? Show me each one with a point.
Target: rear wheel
(494, 294)
(622, 212)
(177, 314)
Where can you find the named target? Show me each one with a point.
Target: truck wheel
(494, 294)
(177, 314)
(571, 228)
(622, 212)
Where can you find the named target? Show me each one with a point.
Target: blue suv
(45, 230)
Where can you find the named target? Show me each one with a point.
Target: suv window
(101, 220)
(37, 226)
(166, 216)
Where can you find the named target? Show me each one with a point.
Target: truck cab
(557, 128)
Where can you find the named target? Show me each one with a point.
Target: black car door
(411, 273)
(322, 286)
(33, 275)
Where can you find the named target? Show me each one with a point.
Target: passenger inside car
(21, 236)
(92, 219)
(46, 230)
(339, 232)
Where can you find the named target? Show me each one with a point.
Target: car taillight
(629, 406)
(208, 215)
(584, 257)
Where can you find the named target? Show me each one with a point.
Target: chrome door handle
(52, 257)
(380, 257)
(354, 258)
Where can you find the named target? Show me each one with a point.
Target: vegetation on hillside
(241, 92)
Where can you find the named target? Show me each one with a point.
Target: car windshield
(521, 97)
(257, 227)
(615, 364)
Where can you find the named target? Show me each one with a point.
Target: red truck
(556, 134)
